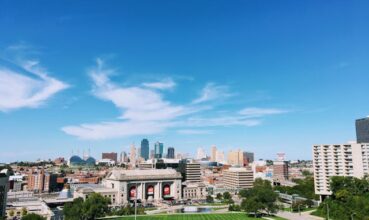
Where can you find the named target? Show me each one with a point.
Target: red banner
(166, 190)
(132, 192)
(150, 190)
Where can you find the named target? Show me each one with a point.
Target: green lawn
(212, 216)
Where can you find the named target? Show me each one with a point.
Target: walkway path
(297, 216)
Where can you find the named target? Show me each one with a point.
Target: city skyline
(260, 78)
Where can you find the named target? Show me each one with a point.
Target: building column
(160, 191)
(143, 186)
(156, 192)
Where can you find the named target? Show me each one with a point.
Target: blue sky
(263, 76)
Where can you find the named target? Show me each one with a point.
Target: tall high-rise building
(220, 157)
(132, 155)
(159, 148)
(235, 158)
(362, 130)
(111, 156)
(190, 170)
(213, 153)
(200, 153)
(248, 158)
(170, 153)
(152, 154)
(351, 159)
(123, 157)
(280, 170)
(238, 178)
(4, 178)
(145, 149)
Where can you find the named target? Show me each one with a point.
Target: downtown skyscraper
(159, 148)
(170, 154)
(145, 149)
(362, 130)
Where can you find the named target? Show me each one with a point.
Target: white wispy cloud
(145, 111)
(107, 130)
(212, 92)
(194, 131)
(260, 112)
(221, 121)
(161, 85)
(27, 85)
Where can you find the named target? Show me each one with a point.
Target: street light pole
(352, 216)
(327, 211)
(136, 202)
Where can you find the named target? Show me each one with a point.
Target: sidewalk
(297, 216)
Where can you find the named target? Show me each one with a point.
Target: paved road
(297, 216)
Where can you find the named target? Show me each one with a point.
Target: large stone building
(238, 178)
(195, 191)
(351, 159)
(145, 185)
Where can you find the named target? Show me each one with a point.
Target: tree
(309, 203)
(298, 206)
(33, 216)
(219, 196)
(95, 206)
(73, 210)
(24, 211)
(252, 205)
(304, 188)
(11, 213)
(260, 198)
(209, 199)
(234, 208)
(350, 196)
(226, 195)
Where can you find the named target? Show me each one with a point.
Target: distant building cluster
(150, 176)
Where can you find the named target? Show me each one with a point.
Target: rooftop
(119, 174)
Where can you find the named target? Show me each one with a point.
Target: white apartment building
(238, 178)
(351, 159)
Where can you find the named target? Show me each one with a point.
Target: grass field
(213, 216)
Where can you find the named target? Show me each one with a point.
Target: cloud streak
(26, 86)
(260, 112)
(212, 92)
(161, 85)
(145, 111)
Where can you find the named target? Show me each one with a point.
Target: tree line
(349, 199)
